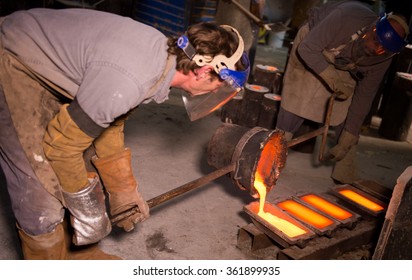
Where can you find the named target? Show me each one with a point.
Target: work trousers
(26, 108)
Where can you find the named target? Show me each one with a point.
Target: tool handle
(257, 20)
(176, 192)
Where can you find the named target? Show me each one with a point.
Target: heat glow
(286, 227)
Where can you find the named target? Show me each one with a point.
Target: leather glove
(121, 186)
(346, 141)
(332, 78)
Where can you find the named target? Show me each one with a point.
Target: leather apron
(305, 94)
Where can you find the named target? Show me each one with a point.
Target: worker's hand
(88, 214)
(120, 202)
(122, 188)
(332, 78)
(346, 141)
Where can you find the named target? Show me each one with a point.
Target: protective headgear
(378, 42)
(234, 80)
(387, 36)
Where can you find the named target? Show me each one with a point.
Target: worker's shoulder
(355, 8)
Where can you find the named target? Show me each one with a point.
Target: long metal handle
(326, 126)
(320, 131)
(248, 13)
(176, 192)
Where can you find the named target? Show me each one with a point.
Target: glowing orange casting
(326, 207)
(285, 226)
(305, 214)
(358, 198)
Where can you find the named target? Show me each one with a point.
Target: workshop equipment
(269, 77)
(269, 110)
(251, 150)
(241, 152)
(260, 22)
(251, 105)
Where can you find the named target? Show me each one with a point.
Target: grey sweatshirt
(106, 62)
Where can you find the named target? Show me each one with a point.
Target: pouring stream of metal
(225, 170)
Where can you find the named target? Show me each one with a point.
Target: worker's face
(367, 50)
(202, 82)
(371, 45)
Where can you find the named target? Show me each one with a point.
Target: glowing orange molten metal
(285, 226)
(326, 207)
(305, 214)
(360, 199)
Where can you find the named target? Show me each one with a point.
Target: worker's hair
(208, 39)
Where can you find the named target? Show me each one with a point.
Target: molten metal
(272, 155)
(287, 227)
(326, 207)
(361, 200)
(305, 214)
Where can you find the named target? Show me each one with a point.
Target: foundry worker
(69, 78)
(344, 49)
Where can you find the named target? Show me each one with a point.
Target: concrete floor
(169, 151)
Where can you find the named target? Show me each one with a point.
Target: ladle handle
(176, 192)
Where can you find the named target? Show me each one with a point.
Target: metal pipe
(326, 126)
(306, 137)
(320, 131)
(257, 20)
(176, 192)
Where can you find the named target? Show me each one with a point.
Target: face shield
(377, 43)
(233, 80)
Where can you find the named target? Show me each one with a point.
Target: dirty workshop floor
(169, 151)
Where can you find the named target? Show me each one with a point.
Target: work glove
(121, 186)
(334, 81)
(346, 141)
(88, 212)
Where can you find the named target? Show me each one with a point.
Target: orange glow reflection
(358, 198)
(326, 207)
(267, 67)
(285, 226)
(305, 214)
(271, 68)
(256, 87)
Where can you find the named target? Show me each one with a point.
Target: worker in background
(68, 80)
(344, 49)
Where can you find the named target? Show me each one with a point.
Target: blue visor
(237, 78)
(387, 36)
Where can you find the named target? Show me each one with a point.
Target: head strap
(219, 61)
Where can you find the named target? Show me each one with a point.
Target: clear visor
(201, 105)
(368, 50)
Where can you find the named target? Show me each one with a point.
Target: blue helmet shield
(237, 78)
(387, 36)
